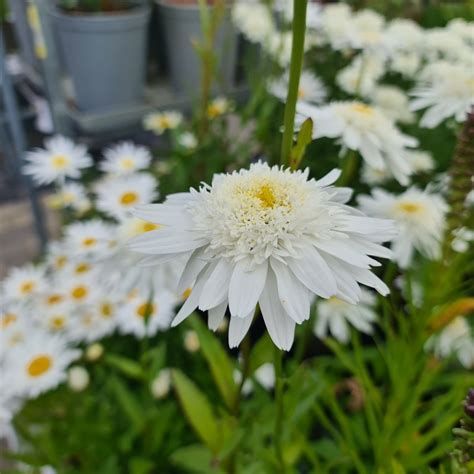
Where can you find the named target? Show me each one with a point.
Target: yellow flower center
(60, 261)
(39, 365)
(27, 287)
(127, 163)
(57, 322)
(7, 319)
(186, 293)
(410, 207)
(128, 198)
(89, 241)
(149, 226)
(106, 310)
(361, 108)
(266, 195)
(59, 162)
(164, 122)
(301, 93)
(82, 268)
(54, 299)
(79, 292)
(146, 309)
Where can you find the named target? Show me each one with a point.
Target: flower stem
(296, 64)
(277, 363)
(349, 168)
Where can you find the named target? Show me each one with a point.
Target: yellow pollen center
(164, 122)
(57, 322)
(54, 299)
(127, 163)
(149, 226)
(301, 93)
(60, 261)
(27, 287)
(89, 241)
(410, 207)
(362, 108)
(128, 198)
(186, 293)
(7, 319)
(146, 309)
(106, 310)
(266, 195)
(39, 365)
(59, 162)
(82, 268)
(79, 292)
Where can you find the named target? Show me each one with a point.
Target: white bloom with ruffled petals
(125, 158)
(269, 236)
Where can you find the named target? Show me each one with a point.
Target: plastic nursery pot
(105, 55)
(180, 20)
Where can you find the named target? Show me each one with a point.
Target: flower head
(269, 236)
(125, 158)
(311, 88)
(159, 122)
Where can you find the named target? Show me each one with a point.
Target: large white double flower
(266, 236)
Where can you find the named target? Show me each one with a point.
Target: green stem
(349, 168)
(296, 64)
(277, 363)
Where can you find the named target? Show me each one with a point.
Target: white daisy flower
(191, 341)
(394, 103)
(91, 239)
(161, 384)
(56, 255)
(442, 43)
(60, 159)
(79, 290)
(311, 88)
(335, 316)
(125, 158)
(23, 283)
(463, 29)
(406, 63)
(367, 30)
(253, 19)
(141, 316)
(336, 21)
(188, 140)
(78, 378)
(269, 236)
(218, 106)
(420, 219)
(449, 93)
(57, 319)
(462, 239)
(365, 129)
(118, 196)
(39, 364)
(159, 122)
(420, 161)
(71, 195)
(279, 47)
(405, 35)
(455, 339)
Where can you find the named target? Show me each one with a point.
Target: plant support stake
(296, 64)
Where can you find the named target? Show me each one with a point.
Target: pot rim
(136, 11)
(189, 7)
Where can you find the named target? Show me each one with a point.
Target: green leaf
(127, 366)
(305, 136)
(195, 458)
(218, 360)
(140, 466)
(127, 401)
(198, 410)
(261, 353)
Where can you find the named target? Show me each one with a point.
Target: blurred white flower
(403, 35)
(335, 315)
(405, 63)
(218, 106)
(89, 238)
(159, 122)
(253, 19)
(191, 341)
(448, 93)
(463, 29)
(94, 352)
(78, 378)
(394, 103)
(118, 196)
(160, 385)
(59, 159)
(455, 339)
(362, 128)
(125, 158)
(269, 236)
(462, 239)
(311, 88)
(71, 195)
(23, 283)
(188, 140)
(420, 219)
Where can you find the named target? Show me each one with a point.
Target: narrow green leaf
(261, 353)
(195, 458)
(305, 136)
(198, 410)
(218, 360)
(127, 366)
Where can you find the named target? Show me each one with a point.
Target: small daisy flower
(159, 122)
(218, 106)
(253, 19)
(141, 316)
(404, 35)
(78, 378)
(463, 29)
(441, 43)
(366, 31)
(365, 129)
(39, 364)
(91, 238)
(394, 103)
(58, 319)
(125, 158)
(56, 255)
(161, 384)
(406, 63)
(269, 236)
(71, 195)
(188, 140)
(420, 219)
(449, 93)
(311, 88)
(118, 196)
(462, 239)
(335, 316)
(455, 339)
(23, 283)
(60, 159)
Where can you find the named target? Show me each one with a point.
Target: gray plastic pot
(181, 24)
(104, 54)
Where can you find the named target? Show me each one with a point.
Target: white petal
(342, 250)
(217, 285)
(216, 315)
(246, 287)
(191, 270)
(329, 178)
(238, 328)
(280, 326)
(165, 241)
